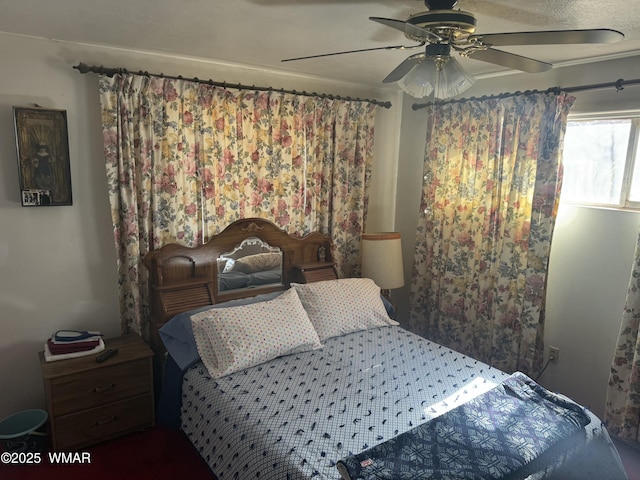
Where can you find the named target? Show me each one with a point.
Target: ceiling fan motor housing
(451, 24)
(440, 4)
(438, 51)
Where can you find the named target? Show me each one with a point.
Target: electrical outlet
(554, 354)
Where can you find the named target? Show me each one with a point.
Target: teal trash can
(24, 431)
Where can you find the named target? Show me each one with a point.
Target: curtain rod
(618, 85)
(110, 72)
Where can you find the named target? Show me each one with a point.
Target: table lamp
(382, 260)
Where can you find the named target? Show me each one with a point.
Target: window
(601, 165)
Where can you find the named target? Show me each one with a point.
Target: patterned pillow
(259, 262)
(177, 333)
(236, 338)
(346, 305)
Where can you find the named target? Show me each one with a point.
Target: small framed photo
(43, 156)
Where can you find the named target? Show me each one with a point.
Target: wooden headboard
(183, 278)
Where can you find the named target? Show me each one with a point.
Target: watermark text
(26, 458)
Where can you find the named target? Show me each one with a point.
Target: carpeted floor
(158, 454)
(630, 455)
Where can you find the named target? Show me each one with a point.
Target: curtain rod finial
(82, 67)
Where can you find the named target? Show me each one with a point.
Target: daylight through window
(600, 162)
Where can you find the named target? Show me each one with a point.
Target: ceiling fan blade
(510, 60)
(407, 28)
(390, 47)
(402, 69)
(550, 37)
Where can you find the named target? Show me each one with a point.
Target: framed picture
(43, 156)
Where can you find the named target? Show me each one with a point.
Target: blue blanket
(496, 435)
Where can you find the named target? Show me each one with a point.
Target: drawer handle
(108, 420)
(104, 389)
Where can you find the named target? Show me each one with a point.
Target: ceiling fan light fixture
(453, 80)
(419, 82)
(442, 76)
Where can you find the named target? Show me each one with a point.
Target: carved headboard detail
(183, 278)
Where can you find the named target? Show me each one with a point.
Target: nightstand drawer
(102, 423)
(100, 386)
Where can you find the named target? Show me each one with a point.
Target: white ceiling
(263, 32)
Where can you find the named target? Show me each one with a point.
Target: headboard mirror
(183, 278)
(252, 263)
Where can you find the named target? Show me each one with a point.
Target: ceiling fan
(441, 30)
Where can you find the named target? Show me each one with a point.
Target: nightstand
(89, 402)
(314, 272)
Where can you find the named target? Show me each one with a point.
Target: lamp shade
(420, 81)
(444, 77)
(453, 80)
(382, 259)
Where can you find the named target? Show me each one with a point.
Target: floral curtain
(622, 408)
(184, 159)
(492, 178)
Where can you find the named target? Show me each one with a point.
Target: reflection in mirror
(251, 264)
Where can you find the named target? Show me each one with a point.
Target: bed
(293, 380)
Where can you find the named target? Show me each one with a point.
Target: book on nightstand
(71, 344)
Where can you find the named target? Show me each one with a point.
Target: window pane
(634, 192)
(594, 156)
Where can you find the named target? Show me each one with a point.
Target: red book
(59, 349)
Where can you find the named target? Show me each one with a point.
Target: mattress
(296, 416)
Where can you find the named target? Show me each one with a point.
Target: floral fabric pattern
(622, 408)
(185, 159)
(491, 188)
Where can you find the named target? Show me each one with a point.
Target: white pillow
(236, 338)
(341, 306)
